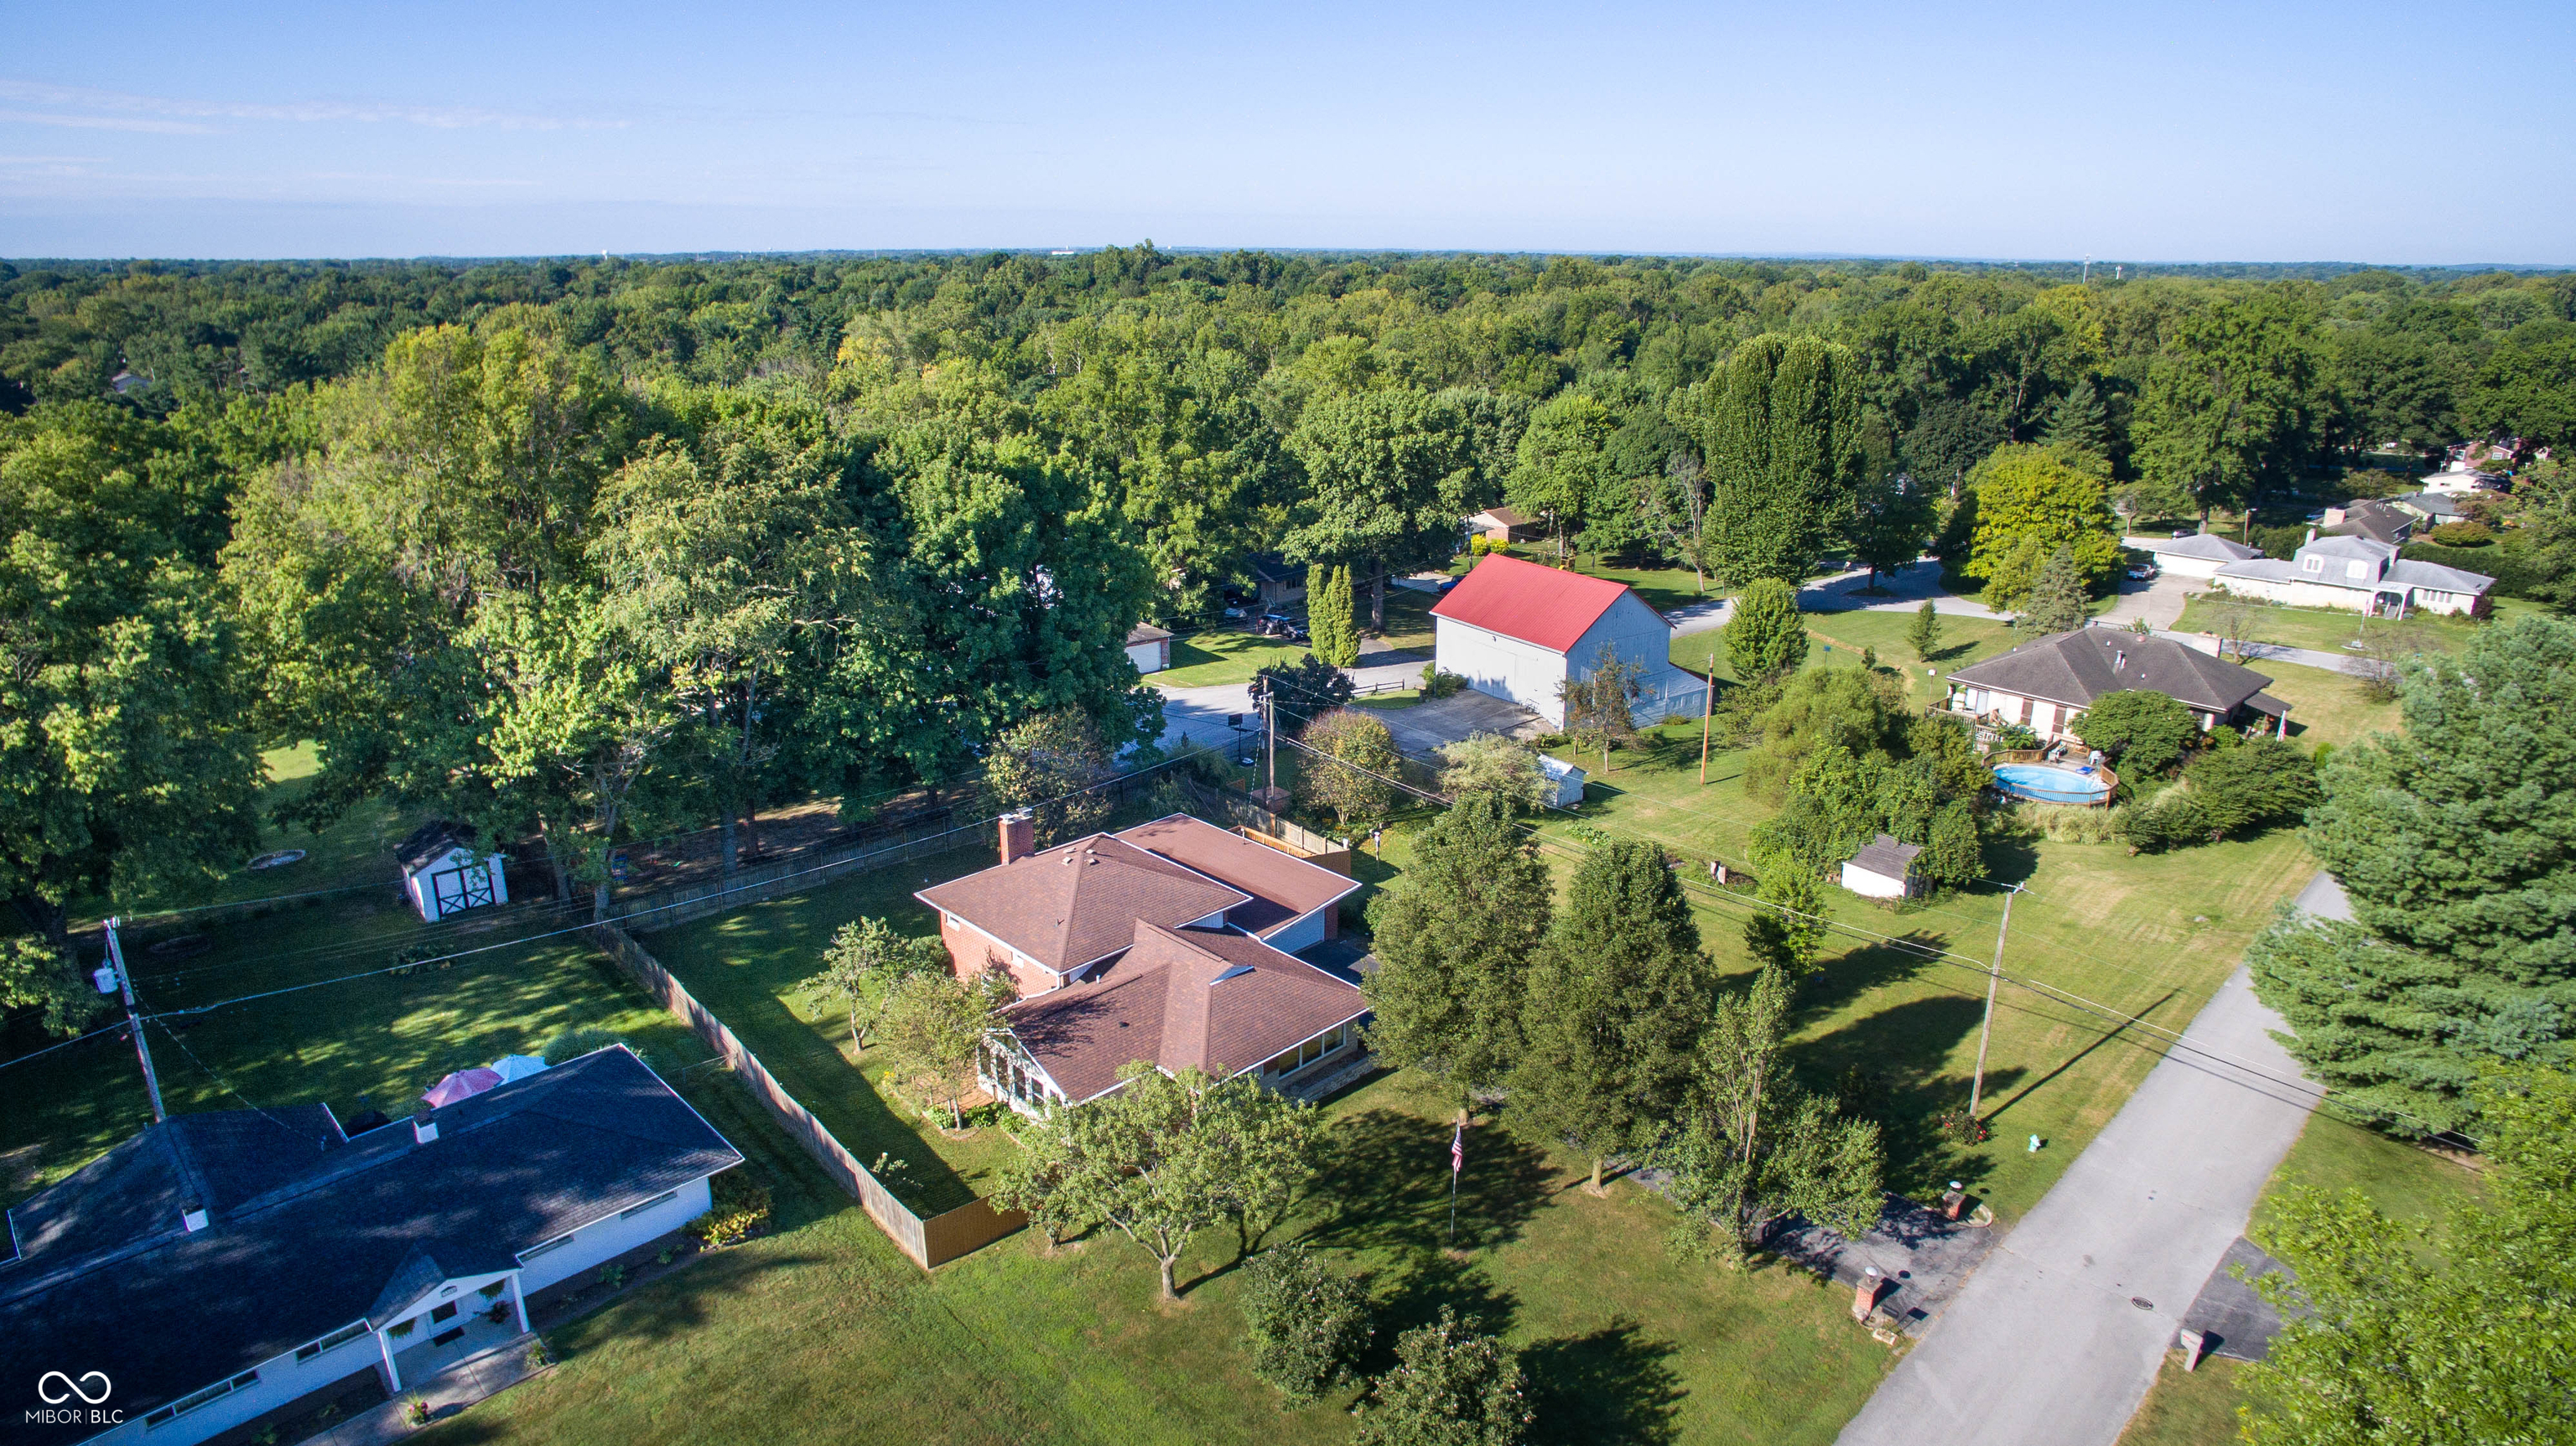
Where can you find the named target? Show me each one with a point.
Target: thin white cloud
(101, 122)
(120, 105)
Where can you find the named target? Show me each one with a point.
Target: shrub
(2175, 820)
(2073, 823)
(1452, 1385)
(1437, 684)
(2462, 534)
(2254, 786)
(1303, 1324)
(739, 1206)
(2013, 736)
(2144, 732)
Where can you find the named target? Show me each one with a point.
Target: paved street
(2057, 1337)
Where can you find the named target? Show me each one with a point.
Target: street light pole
(1985, 1031)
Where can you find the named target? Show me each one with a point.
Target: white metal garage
(1517, 630)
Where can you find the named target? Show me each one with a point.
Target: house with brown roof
(2046, 684)
(1171, 942)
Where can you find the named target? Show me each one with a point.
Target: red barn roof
(1532, 603)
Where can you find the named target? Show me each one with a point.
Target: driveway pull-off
(2056, 1338)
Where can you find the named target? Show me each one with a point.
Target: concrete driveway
(2057, 1337)
(2159, 602)
(1426, 726)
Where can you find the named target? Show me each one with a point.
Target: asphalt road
(2058, 1335)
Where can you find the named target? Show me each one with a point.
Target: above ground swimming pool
(2047, 783)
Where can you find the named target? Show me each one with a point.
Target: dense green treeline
(580, 549)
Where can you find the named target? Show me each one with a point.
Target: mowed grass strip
(821, 1332)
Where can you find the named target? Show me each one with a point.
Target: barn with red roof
(1517, 631)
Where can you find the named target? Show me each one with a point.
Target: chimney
(424, 1127)
(2119, 659)
(1019, 835)
(2312, 536)
(192, 1218)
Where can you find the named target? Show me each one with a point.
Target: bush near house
(741, 1206)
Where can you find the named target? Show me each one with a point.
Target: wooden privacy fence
(925, 1242)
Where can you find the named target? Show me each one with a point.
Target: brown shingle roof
(1069, 905)
(2080, 666)
(1283, 888)
(1219, 1000)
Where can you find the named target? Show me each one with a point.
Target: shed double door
(455, 889)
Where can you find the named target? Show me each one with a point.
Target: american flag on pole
(1458, 1150)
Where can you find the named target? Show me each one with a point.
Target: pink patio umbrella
(464, 1084)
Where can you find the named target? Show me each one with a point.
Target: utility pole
(1985, 1031)
(1270, 737)
(1707, 704)
(134, 1021)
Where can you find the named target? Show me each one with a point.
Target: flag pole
(1457, 1162)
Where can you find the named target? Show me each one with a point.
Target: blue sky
(2361, 132)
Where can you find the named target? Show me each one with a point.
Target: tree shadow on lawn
(1855, 972)
(1385, 1182)
(1608, 1385)
(1898, 1054)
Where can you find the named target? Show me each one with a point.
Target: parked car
(1233, 614)
(1279, 625)
(2142, 572)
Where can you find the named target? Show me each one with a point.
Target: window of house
(445, 1312)
(2312, 564)
(2356, 569)
(665, 1198)
(334, 1340)
(533, 1251)
(206, 1397)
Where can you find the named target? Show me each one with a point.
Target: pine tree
(2079, 420)
(1616, 1003)
(2057, 601)
(2456, 843)
(1925, 634)
(1453, 946)
(1333, 635)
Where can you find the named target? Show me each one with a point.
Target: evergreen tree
(2056, 603)
(2079, 420)
(1452, 1385)
(1766, 636)
(1332, 630)
(2456, 843)
(1616, 1001)
(1453, 946)
(1924, 635)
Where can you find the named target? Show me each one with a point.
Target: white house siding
(281, 1381)
(603, 1239)
(1148, 657)
(2350, 599)
(2181, 566)
(1303, 932)
(1527, 674)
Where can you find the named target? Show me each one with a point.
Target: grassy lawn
(2327, 707)
(2188, 1408)
(1223, 655)
(821, 1331)
(2151, 936)
(2327, 629)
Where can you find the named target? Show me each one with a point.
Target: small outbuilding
(442, 875)
(1502, 524)
(1564, 782)
(1884, 869)
(1149, 648)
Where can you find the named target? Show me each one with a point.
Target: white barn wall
(1527, 674)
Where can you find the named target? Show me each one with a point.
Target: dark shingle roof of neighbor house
(2082, 665)
(2206, 545)
(1214, 999)
(429, 842)
(1072, 904)
(306, 1237)
(2376, 521)
(2431, 506)
(1887, 858)
(1506, 516)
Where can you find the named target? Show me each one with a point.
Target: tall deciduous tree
(2234, 401)
(1563, 470)
(1453, 946)
(2456, 843)
(2031, 501)
(936, 1025)
(1389, 474)
(1616, 1002)
(1596, 704)
(1780, 426)
(1053, 764)
(1359, 755)
(1755, 1147)
(1891, 520)
(126, 762)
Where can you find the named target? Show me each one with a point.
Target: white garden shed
(1884, 869)
(443, 875)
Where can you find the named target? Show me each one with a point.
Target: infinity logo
(45, 1389)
